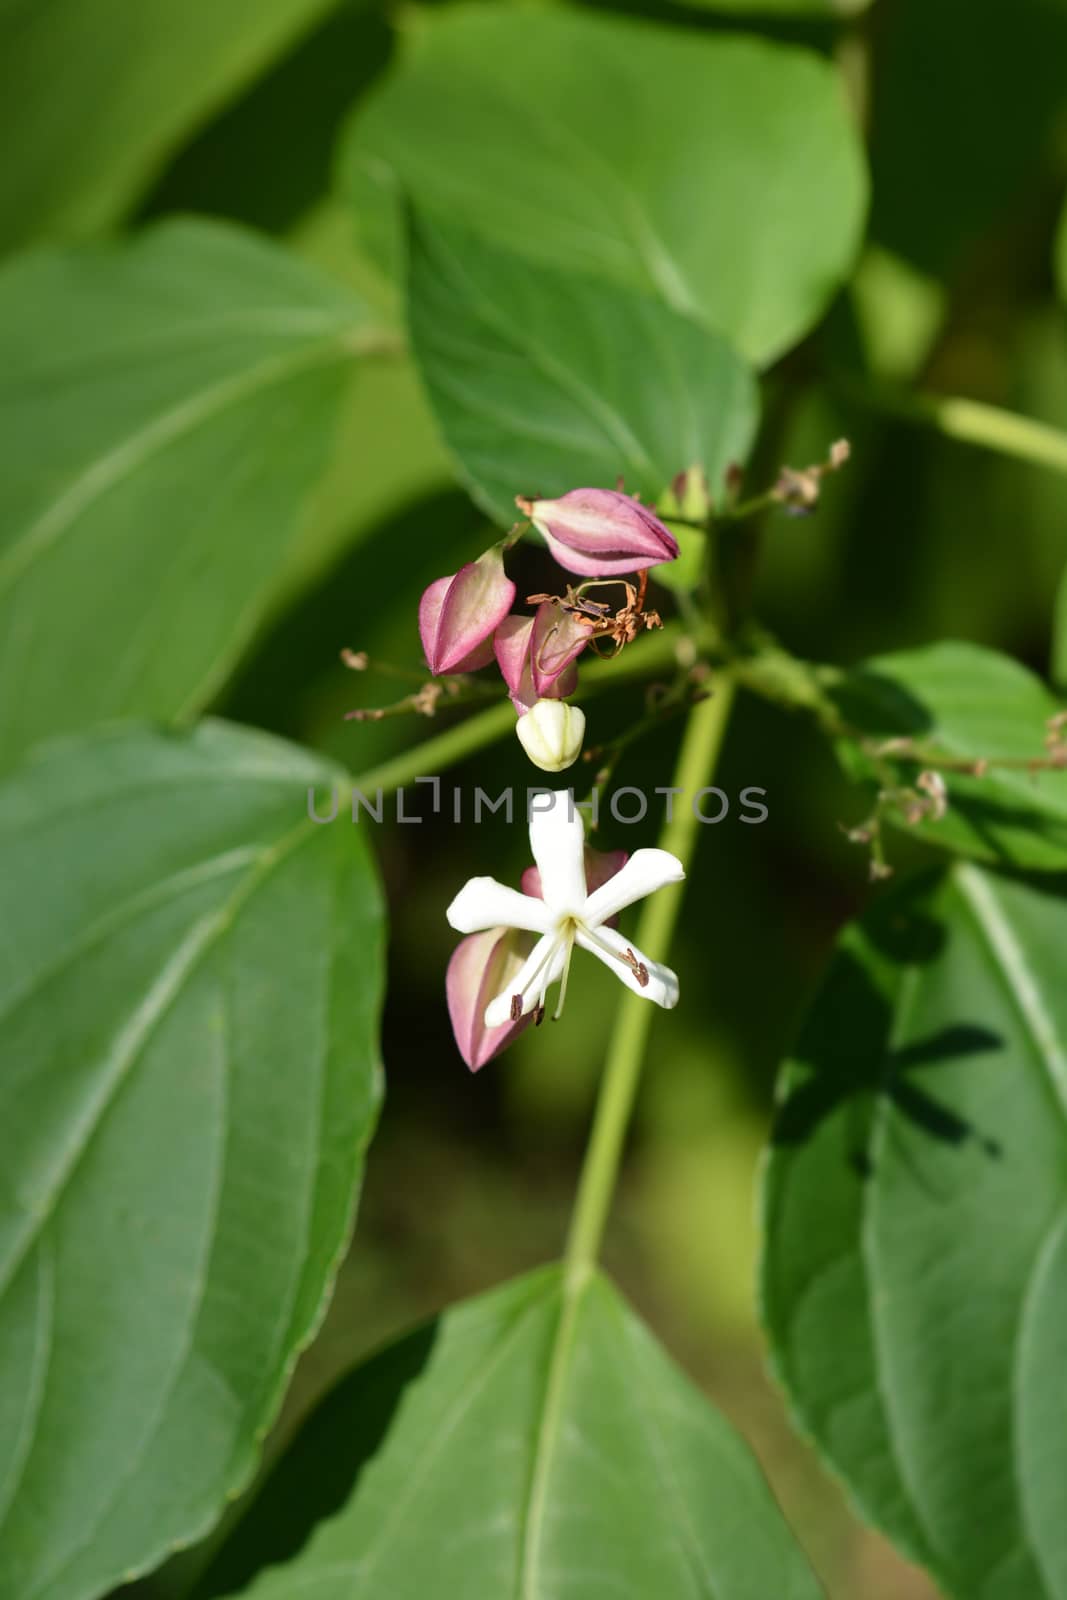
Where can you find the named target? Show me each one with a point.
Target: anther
(640, 971)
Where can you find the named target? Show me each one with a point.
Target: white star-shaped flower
(568, 914)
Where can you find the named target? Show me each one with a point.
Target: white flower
(568, 914)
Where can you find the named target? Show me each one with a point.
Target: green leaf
(720, 174)
(188, 1016)
(166, 410)
(960, 703)
(542, 381)
(386, 450)
(916, 1249)
(94, 96)
(685, 574)
(535, 1441)
(1059, 646)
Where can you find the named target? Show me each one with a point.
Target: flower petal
(542, 967)
(457, 615)
(480, 965)
(601, 532)
(644, 873)
(660, 985)
(557, 839)
(483, 903)
(477, 601)
(600, 865)
(583, 566)
(430, 607)
(511, 642)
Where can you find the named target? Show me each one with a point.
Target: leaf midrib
(1009, 959)
(38, 1379)
(281, 323)
(186, 960)
(282, 1326)
(637, 233)
(573, 1288)
(663, 269)
(877, 1136)
(115, 918)
(127, 458)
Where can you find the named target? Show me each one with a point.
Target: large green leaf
(189, 987)
(915, 1270)
(720, 174)
(533, 1442)
(94, 95)
(1059, 648)
(542, 381)
(965, 704)
(166, 410)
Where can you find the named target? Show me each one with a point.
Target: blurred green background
(470, 1179)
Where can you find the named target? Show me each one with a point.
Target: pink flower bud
(537, 654)
(458, 615)
(600, 533)
(481, 967)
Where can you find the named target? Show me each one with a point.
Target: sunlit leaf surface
(721, 175)
(915, 1269)
(189, 984)
(533, 1443)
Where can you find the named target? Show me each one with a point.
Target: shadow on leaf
(319, 1471)
(847, 1056)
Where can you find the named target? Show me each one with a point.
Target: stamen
(638, 968)
(518, 1000)
(566, 974)
(539, 1014)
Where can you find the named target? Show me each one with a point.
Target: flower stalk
(695, 769)
(968, 421)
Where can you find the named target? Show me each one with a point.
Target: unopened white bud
(551, 733)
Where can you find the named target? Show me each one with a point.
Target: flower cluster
(519, 944)
(466, 619)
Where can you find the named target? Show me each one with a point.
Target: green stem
(436, 755)
(444, 750)
(755, 506)
(972, 422)
(696, 764)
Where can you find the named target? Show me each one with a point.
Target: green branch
(971, 422)
(696, 765)
(652, 654)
